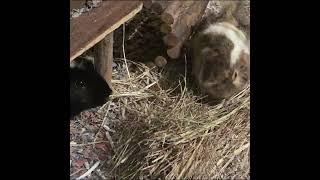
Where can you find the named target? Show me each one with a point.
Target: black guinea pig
(87, 88)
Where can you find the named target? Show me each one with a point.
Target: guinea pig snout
(208, 84)
(238, 80)
(209, 53)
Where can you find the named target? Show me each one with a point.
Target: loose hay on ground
(173, 135)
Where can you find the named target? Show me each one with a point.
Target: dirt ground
(95, 147)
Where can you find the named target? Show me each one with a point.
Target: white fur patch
(235, 35)
(205, 50)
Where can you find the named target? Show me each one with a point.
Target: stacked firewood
(177, 20)
(160, 31)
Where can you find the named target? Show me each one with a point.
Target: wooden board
(104, 57)
(91, 27)
(77, 4)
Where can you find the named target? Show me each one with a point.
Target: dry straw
(171, 135)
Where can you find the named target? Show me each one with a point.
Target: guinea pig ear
(244, 59)
(73, 64)
(85, 65)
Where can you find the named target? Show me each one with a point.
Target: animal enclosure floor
(90, 142)
(103, 139)
(130, 120)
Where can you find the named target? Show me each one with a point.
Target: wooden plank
(91, 27)
(104, 57)
(77, 4)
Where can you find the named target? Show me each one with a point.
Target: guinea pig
(87, 88)
(221, 60)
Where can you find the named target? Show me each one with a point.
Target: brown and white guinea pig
(87, 88)
(221, 60)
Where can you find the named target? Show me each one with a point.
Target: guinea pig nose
(215, 53)
(234, 75)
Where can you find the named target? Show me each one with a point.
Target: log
(170, 40)
(158, 6)
(77, 4)
(174, 52)
(103, 57)
(165, 28)
(160, 61)
(150, 64)
(171, 13)
(147, 4)
(185, 15)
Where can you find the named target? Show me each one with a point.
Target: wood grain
(104, 57)
(91, 27)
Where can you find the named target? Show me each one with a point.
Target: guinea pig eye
(80, 84)
(216, 52)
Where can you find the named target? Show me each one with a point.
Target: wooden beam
(91, 27)
(103, 57)
(77, 4)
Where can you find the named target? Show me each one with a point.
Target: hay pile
(169, 135)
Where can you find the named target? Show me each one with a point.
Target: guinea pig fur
(221, 60)
(87, 88)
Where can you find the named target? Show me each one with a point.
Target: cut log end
(157, 8)
(170, 40)
(160, 61)
(165, 28)
(150, 64)
(147, 4)
(174, 52)
(167, 18)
